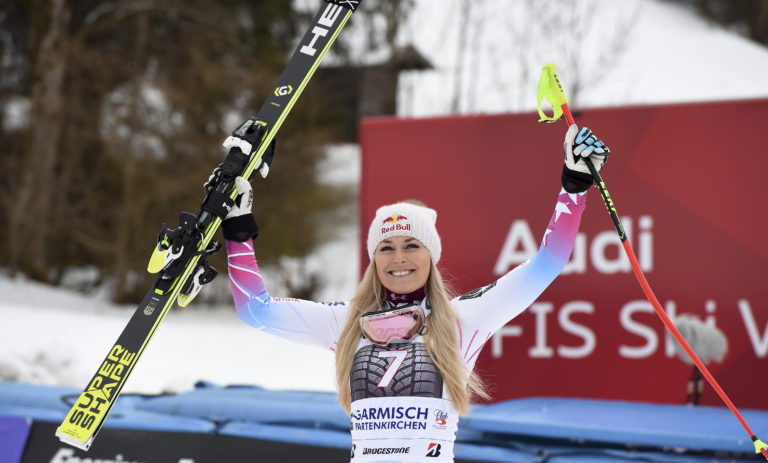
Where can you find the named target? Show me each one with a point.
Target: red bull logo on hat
(394, 219)
(393, 223)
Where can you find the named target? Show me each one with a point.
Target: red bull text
(395, 227)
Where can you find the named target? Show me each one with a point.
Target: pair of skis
(180, 257)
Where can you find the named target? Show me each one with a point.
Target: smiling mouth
(400, 273)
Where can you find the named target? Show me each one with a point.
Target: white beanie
(405, 219)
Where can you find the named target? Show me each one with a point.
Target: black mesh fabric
(417, 376)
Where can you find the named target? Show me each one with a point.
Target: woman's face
(402, 264)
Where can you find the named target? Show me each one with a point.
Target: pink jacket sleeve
(487, 309)
(307, 322)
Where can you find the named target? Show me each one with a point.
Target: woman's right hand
(580, 147)
(239, 224)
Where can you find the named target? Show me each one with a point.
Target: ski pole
(550, 88)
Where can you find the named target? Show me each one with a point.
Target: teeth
(401, 273)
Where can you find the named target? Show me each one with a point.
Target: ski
(180, 256)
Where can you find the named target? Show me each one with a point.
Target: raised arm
(307, 322)
(488, 309)
(303, 321)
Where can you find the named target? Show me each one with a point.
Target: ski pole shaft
(760, 447)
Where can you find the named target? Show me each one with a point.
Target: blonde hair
(440, 339)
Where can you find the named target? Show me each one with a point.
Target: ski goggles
(402, 323)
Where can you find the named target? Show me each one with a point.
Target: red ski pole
(550, 88)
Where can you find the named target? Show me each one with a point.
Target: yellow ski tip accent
(549, 88)
(157, 261)
(760, 446)
(84, 419)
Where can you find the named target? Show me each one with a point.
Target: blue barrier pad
(290, 434)
(520, 430)
(254, 404)
(54, 398)
(475, 452)
(52, 403)
(35, 395)
(35, 413)
(157, 422)
(623, 423)
(119, 419)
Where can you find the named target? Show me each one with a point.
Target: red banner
(686, 180)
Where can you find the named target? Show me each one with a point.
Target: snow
(57, 337)
(665, 54)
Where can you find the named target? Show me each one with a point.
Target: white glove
(581, 145)
(244, 201)
(246, 148)
(248, 136)
(236, 142)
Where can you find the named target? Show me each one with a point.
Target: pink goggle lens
(403, 324)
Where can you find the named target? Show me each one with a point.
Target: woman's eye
(412, 246)
(385, 248)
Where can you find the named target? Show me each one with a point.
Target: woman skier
(405, 347)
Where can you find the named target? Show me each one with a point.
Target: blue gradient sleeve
(490, 308)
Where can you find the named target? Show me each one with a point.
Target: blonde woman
(405, 347)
